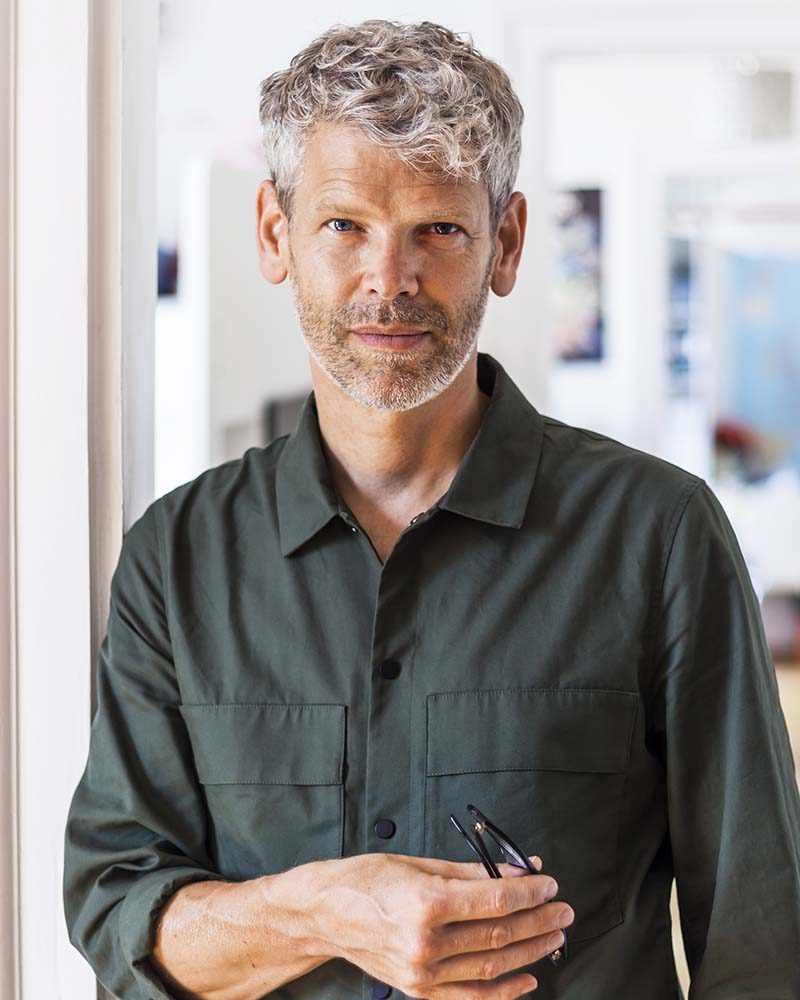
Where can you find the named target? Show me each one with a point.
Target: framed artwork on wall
(578, 293)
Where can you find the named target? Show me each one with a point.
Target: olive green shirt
(569, 639)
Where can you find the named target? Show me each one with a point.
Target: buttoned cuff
(137, 918)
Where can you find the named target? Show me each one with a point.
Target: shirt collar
(493, 482)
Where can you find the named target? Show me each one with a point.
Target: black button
(384, 828)
(390, 669)
(381, 990)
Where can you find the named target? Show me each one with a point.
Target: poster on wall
(578, 312)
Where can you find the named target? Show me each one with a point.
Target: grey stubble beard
(383, 379)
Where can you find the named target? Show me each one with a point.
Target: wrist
(300, 895)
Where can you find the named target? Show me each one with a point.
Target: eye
(341, 225)
(453, 228)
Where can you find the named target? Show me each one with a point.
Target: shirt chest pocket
(272, 777)
(548, 766)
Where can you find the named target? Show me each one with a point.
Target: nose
(390, 269)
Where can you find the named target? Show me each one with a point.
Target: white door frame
(9, 868)
(77, 297)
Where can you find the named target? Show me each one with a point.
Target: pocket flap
(267, 744)
(537, 729)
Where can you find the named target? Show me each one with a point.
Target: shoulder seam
(230, 467)
(161, 564)
(672, 533)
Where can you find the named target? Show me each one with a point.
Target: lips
(396, 341)
(389, 331)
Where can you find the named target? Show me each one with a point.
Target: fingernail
(555, 941)
(550, 890)
(566, 916)
(537, 862)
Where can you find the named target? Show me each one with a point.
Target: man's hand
(441, 930)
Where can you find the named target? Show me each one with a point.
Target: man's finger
(471, 898)
(472, 869)
(511, 871)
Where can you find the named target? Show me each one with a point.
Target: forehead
(341, 161)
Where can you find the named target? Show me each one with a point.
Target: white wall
(256, 350)
(230, 340)
(182, 424)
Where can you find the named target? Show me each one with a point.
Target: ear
(509, 240)
(272, 230)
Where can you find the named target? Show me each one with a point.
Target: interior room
(657, 303)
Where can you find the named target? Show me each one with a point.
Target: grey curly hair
(419, 89)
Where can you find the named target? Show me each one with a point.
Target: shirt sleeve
(733, 802)
(136, 827)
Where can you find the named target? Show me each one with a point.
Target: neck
(396, 460)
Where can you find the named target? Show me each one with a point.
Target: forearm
(239, 941)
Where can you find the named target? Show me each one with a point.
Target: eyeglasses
(512, 854)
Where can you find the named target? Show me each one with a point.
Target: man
(428, 595)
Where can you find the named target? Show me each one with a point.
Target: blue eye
(453, 228)
(344, 223)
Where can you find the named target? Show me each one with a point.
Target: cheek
(449, 280)
(332, 271)
(458, 268)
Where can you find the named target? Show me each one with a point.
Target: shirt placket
(388, 799)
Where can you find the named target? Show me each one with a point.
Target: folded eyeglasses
(512, 854)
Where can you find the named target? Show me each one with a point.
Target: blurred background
(665, 169)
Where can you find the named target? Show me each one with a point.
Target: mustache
(394, 314)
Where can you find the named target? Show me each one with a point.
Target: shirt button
(384, 828)
(381, 990)
(390, 669)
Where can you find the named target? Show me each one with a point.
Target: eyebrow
(439, 212)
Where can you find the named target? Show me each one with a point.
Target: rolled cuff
(137, 918)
